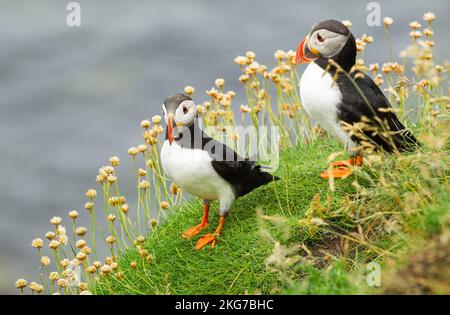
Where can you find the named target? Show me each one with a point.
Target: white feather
(320, 97)
(191, 169)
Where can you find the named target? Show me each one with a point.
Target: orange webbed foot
(341, 163)
(211, 238)
(205, 240)
(193, 230)
(341, 172)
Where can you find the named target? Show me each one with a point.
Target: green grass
(238, 264)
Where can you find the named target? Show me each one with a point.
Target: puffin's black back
(242, 174)
(353, 106)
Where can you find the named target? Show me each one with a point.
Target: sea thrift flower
(36, 287)
(387, 21)
(133, 266)
(280, 54)
(347, 23)
(81, 256)
(80, 243)
(414, 25)
(373, 68)
(114, 161)
(62, 283)
(54, 244)
(91, 193)
(153, 222)
(142, 147)
(164, 205)
(145, 123)
(429, 17)
(219, 83)
(110, 240)
(64, 263)
(86, 249)
(97, 264)
(241, 60)
(415, 34)
(88, 205)
(73, 214)
(80, 231)
(21, 283)
(125, 208)
(112, 178)
(91, 269)
(109, 260)
(50, 235)
(156, 119)
(53, 276)
(133, 151)
(106, 270)
(174, 189)
(37, 243)
(56, 220)
(45, 261)
(143, 184)
(189, 90)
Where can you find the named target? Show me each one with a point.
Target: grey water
(71, 97)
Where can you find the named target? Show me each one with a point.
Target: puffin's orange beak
(304, 53)
(170, 128)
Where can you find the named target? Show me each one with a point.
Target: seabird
(333, 100)
(203, 166)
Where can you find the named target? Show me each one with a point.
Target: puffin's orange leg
(341, 172)
(211, 238)
(196, 229)
(343, 169)
(357, 161)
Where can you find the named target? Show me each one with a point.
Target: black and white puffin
(331, 98)
(203, 166)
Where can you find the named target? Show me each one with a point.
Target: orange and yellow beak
(305, 54)
(170, 128)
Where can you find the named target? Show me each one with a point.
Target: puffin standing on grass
(204, 167)
(332, 99)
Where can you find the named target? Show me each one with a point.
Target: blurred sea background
(71, 97)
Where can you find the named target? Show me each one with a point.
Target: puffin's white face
(184, 114)
(327, 43)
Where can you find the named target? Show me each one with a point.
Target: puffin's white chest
(320, 97)
(191, 169)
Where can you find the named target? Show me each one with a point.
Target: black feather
(243, 174)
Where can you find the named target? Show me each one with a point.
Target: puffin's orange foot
(341, 163)
(193, 231)
(357, 160)
(205, 240)
(341, 172)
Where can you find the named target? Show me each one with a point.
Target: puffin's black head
(179, 109)
(326, 39)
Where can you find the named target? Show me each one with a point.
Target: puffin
(205, 167)
(333, 101)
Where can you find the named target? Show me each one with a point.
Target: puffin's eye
(320, 38)
(185, 110)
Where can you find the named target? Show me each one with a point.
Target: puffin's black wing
(353, 107)
(242, 174)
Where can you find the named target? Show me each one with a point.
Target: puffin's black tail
(253, 180)
(403, 139)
